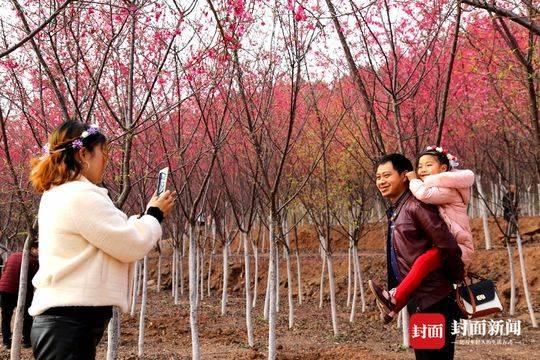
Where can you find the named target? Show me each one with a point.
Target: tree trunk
(201, 296)
(331, 282)
(276, 256)
(524, 279)
(225, 277)
(354, 296)
(404, 313)
(247, 286)
(143, 306)
(256, 275)
(178, 277)
(289, 276)
(180, 265)
(113, 335)
(298, 268)
(21, 299)
(267, 295)
(349, 276)
(193, 284)
(173, 273)
(485, 224)
(321, 283)
(272, 314)
(135, 284)
(360, 281)
(512, 310)
(140, 276)
(158, 285)
(209, 284)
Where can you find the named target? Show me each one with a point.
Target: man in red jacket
(9, 292)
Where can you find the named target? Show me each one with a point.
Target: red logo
(427, 331)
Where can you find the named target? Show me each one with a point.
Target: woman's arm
(100, 223)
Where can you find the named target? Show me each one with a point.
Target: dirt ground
(224, 337)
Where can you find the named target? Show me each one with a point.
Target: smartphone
(162, 180)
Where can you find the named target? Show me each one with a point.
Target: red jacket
(9, 281)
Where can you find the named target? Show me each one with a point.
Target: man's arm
(428, 220)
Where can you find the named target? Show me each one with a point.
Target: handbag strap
(459, 298)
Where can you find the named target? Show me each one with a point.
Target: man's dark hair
(399, 162)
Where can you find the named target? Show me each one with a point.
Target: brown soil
(167, 328)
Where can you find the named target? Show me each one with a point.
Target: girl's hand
(411, 175)
(164, 202)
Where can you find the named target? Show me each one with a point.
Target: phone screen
(162, 180)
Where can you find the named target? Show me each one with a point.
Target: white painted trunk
(15, 353)
(263, 235)
(143, 306)
(198, 268)
(333, 304)
(276, 256)
(272, 314)
(495, 197)
(256, 275)
(178, 277)
(174, 288)
(225, 278)
(354, 297)
(193, 284)
(484, 212)
(525, 282)
(529, 202)
(140, 275)
(321, 283)
(299, 277)
(180, 269)
(158, 285)
(214, 231)
(134, 295)
(289, 277)
(247, 286)
(208, 281)
(360, 281)
(113, 335)
(404, 313)
(267, 294)
(349, 276)
(512, 310)
(202, 275)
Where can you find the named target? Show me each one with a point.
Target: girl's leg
(424, 264)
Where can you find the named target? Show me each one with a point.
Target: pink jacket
(451, 191)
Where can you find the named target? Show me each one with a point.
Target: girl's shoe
(384, 302)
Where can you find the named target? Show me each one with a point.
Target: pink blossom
(300, 14)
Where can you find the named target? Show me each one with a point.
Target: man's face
(390, 183)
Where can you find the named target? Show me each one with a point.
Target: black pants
(8, 303)
(68, 335)
(451, 312)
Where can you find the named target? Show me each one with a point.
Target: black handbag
(477, 298)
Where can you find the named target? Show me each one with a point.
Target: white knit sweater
(87, 248)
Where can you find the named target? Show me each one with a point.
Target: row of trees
(267, 112)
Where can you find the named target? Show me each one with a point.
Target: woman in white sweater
(87, 246)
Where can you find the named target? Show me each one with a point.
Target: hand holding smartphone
(162, 181)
